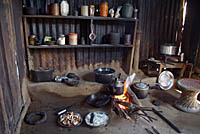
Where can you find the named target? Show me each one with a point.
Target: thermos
(64, 8)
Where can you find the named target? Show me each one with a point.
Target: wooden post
(137, 52)
(133, 50)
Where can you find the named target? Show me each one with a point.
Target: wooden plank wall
(158, 21)
(11, 67)
(191, 34)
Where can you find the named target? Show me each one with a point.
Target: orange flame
(123, 97)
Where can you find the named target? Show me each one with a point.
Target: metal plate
(166, 80)
(100, 119)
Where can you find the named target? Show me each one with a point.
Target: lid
(166, 80)
(141, 85)
(72, 33)
(61, 35)
(33, 36)
(92, 6)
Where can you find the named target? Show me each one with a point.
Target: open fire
(123, 97)
(124, 104)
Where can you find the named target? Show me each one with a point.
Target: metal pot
(104, 75)
(168, 49)
(141, 89)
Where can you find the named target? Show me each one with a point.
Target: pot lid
(166, 80)
(141, 85)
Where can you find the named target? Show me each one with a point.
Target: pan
(98, 99)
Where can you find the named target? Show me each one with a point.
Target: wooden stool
(190, 90)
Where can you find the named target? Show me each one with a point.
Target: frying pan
(99, 99)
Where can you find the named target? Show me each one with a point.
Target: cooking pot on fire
(117, 87)
(168, 49)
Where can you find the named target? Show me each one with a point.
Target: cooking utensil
(98, 99)
(104, 75)
(92, 35)
(141, 89)
(117, 87)
(168, 49)
(166, 80)
(167, 121)
(99, 119)
(41, 75)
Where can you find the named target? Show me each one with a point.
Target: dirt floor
(50, 97)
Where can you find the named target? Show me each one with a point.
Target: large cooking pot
(104, 75)
(168, 49)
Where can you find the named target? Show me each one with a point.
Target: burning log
(128, 105)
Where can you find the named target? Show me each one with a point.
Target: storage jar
(64, 8)
(127, 10)
(61, 40)
(84, 10)
(54, 9)
(73, 38)
(104, 8)
(92, 10)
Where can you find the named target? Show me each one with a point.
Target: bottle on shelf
(64, 8)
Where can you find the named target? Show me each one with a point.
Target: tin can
(127, 39)
(84, 10)
(32, 40)
(54, 9)
(73, 38)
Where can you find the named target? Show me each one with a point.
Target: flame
(123, 97)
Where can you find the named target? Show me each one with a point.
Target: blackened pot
(41, 75)
(141, 90)
(104, 75)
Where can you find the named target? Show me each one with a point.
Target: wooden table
(190, 90)
(161, 64)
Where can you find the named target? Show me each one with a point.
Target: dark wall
(191, 35)
(159, 22)
(12, 70)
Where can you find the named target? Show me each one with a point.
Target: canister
(127, 39)
(104, 8)
(32, 39)
(61, 40)
(54, 9)
(127, 10)
(92, 10)
(84, 10)
(73, 38)
(114, 38)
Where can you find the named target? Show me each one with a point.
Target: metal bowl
(61, 124)
(166, 80)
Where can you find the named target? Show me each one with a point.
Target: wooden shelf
(79, 46)
(79, 17)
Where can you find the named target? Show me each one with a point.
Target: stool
(190, 90)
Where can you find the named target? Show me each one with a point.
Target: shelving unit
(80, 46)
(48, 24)
(80, 17)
